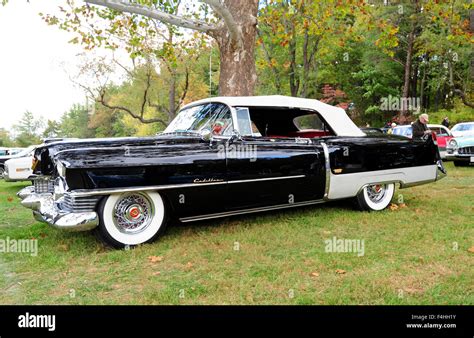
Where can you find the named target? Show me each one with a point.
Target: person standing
(445, 122)
(420, 128)
(392, 126)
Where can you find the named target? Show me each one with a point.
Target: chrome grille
(466, 150)
(43, 186)
(79, 204)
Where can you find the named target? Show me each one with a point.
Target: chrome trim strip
(95, 192)
(248, 211)
(327, 166)
(267, 179)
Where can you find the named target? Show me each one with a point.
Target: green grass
(410, 256)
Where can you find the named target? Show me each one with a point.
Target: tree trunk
(238, 74)
(172, 98)
(406, 83)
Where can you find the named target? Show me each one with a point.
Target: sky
(36, 61)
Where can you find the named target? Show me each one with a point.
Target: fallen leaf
(157, 273)
(42, 235)
(340, 271)
(155, 259)
(402, 205)
(64, 247)
(189, 265)
(393, 207)
(314, 274)
(471, 249)
(10, 199)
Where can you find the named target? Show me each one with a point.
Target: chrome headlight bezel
(452, 144)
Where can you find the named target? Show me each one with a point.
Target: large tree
(233, 26)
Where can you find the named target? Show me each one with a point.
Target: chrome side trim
(348, 185)
(327, 166)
(249, 211)
(95, 192)
(267, 179)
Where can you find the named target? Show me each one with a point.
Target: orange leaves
(340, 271)
(155, 259)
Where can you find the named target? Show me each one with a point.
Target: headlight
(453, 144)
(61, 169)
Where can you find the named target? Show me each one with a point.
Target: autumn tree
(295, 35)
(231, 24)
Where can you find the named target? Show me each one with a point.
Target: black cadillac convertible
(220, 157)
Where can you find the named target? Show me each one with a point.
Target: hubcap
(133, 213)
(376, 192)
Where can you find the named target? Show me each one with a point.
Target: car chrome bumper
(459, 157)
(46, 209)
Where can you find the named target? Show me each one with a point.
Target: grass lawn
(416, 254)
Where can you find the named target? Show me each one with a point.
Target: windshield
(463, 127)
(215, 117)
(25, 152)
(403, 131)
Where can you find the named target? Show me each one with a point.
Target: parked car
(18, 152)
(461, 150)
(19, 168)
(10, 151)
(463, 129)
(220, 157)
(442, 135)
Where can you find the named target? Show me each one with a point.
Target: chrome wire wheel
(376, 192)
(375, 197)
(133, 213)
(131, 218)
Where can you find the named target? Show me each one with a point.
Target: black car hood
(92, 151)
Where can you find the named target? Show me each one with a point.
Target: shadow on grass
(176, 228)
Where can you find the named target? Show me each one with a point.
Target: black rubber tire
(2, 170)
(105, 237)
(461, 163)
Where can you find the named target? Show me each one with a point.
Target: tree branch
(185, 91)
(103, 102)
(223, 12)
(134, 8)
(463, 98)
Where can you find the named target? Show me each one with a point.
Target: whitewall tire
(133, 218)
(375, 197)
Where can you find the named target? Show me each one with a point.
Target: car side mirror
(206, 135)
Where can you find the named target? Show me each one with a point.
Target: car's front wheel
(375, 197)
(132, 218)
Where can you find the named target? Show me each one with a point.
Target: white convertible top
(336, 117)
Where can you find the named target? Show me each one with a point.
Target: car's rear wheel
(461, 163)
(375, 197)
(2, 171)
(132, 218)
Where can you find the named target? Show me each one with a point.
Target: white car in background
(463, 129)
(18, 168)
